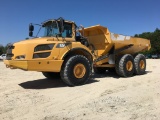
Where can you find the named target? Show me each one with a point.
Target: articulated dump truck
(72, 52)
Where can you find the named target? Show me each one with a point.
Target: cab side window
(67, 30)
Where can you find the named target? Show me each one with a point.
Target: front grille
(41, 55)
(43, 47)
(9, 54)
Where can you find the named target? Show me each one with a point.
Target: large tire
(117, 65)
(76, 70)
(51, 75)
(99, 70)
(125, 66)
(140, 64)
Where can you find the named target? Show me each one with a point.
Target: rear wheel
(117, 65)
(51, 75)
(76, 70)
(125, 66)
(140, 64)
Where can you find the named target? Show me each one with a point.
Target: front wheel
(76, 70)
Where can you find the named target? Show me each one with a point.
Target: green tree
(1, 49)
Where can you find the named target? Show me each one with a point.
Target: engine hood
(28, 47)
(45, 40)
(37, 40)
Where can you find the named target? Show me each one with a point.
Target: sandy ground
(29, 96)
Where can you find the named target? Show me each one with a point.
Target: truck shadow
(42, 84)
(105, 75)
(57, 83)
(113, 75)
(48, 83)
(148, 72)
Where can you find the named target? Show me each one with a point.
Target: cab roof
(51, 20)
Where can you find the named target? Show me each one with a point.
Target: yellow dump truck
(71, 52)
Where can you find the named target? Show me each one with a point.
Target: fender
(80, 51)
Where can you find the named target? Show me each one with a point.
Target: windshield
(51, 29)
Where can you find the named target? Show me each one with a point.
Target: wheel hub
(142, 64)
(79, 70)
(129, 65)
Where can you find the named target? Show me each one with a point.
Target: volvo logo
(62, 45)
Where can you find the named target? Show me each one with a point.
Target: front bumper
(35, 65)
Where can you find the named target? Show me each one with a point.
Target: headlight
(20, 57)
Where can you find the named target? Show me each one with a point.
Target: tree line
(3, 49)
(154, 38)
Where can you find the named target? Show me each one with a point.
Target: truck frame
(61, 52)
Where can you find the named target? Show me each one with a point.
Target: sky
(128, 17)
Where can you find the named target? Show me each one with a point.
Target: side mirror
(31, 27)
(61, 28)
(30, 33)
